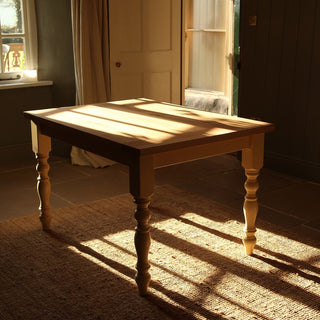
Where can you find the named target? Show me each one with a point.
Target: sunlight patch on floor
(202, 260)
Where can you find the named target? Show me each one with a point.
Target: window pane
(13, 54)
(209, 14)
(11, 16)
(207, 61)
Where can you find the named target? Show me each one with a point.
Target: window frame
(228, 31)
(30, 47)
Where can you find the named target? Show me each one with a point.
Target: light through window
(208, 54)
(16, 49)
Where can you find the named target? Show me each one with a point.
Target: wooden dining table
(144, 134)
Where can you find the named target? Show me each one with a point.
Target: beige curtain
(91, 64)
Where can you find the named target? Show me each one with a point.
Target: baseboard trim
(23, 151)
(17, 152)
(296, 167)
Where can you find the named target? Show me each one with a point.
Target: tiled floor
(283, 199)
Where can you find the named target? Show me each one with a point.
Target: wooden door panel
(127, 86)
(158, 25)
(125, 25)
(145, 40)
(157, 85)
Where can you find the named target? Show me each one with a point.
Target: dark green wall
(55, 52)
(279, 80)
(55, 48)
(55, 55)
(15, 130)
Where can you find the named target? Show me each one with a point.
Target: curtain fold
(91, 64)
(32, 45)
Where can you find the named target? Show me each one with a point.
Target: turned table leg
(252, 161)
(142, 240)
(41, 145)
(250, 210)
(141, 187)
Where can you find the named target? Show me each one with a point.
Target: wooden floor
(283, 199)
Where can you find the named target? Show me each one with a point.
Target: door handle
(118, 64)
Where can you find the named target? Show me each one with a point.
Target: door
(145, 50)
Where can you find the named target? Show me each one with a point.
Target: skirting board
(16, 153)
(289, 165)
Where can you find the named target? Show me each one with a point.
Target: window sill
(26, 84)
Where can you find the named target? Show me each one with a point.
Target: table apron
(206, 150)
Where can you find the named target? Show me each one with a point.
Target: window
(208, 49)
(18, 42)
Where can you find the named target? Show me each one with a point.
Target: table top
(144, 124)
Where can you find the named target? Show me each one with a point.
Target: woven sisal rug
(84, 269)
